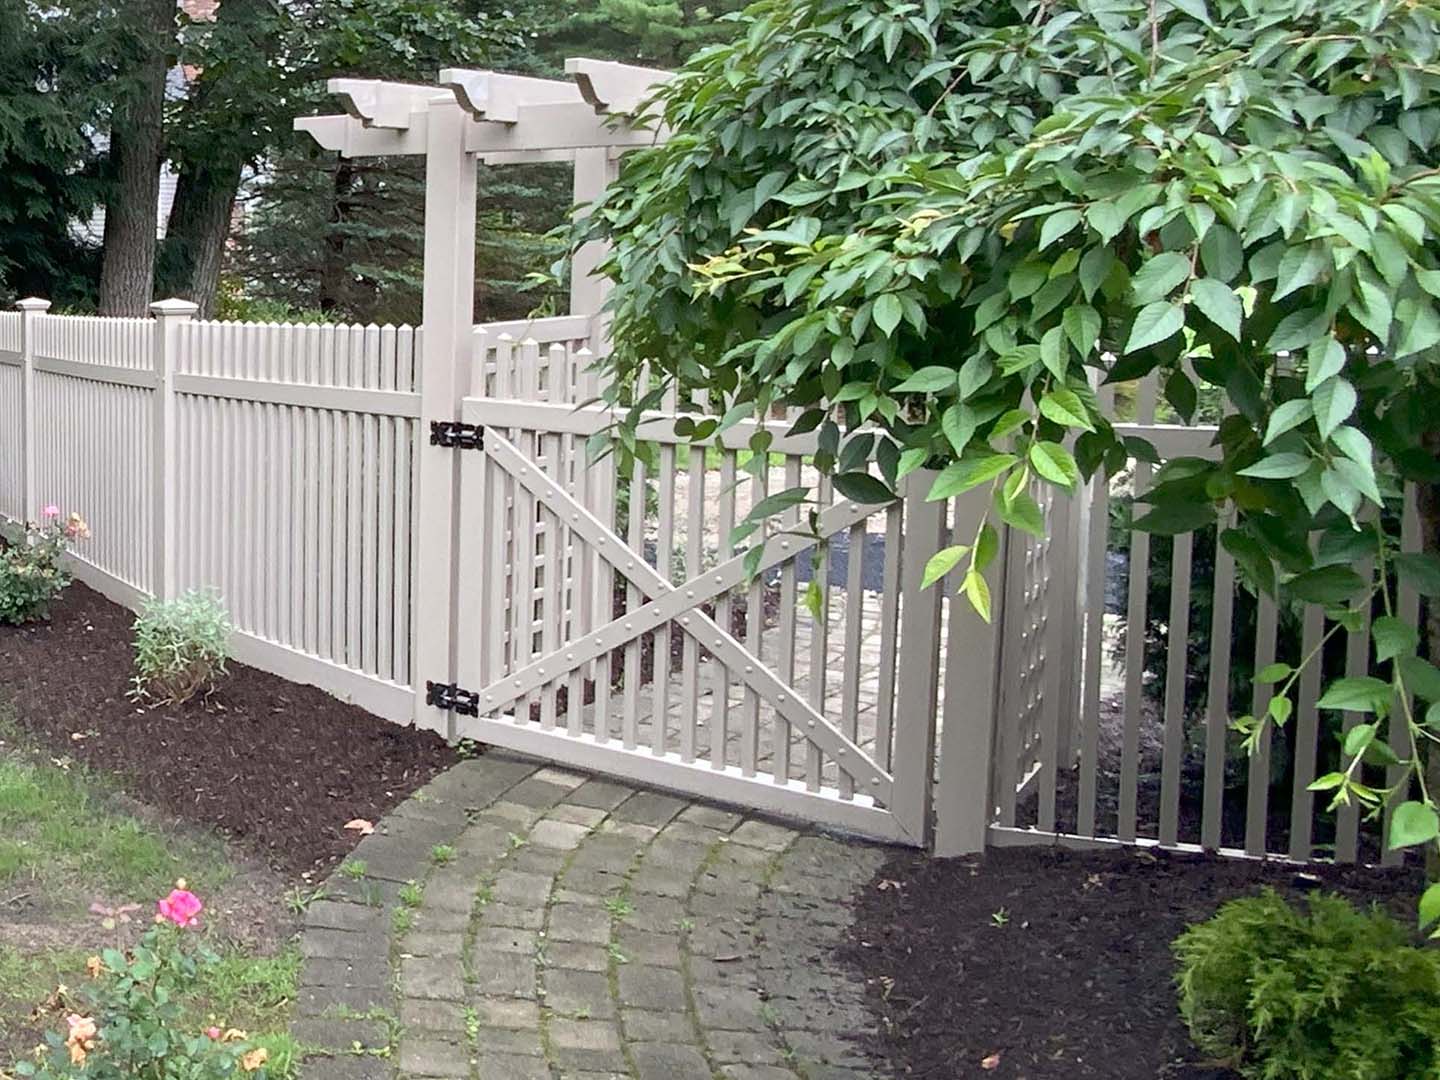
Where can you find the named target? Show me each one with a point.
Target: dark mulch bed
(1078, 982)
(276, 766)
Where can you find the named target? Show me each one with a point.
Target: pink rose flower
(212, 1033)
(51, 511)
(180, 907)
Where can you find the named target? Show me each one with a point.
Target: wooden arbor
(468, 118)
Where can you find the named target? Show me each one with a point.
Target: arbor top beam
(508, 118)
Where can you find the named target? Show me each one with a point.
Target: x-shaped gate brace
(666, 602)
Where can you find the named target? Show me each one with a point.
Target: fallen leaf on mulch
(360, 825)
(991, 1062)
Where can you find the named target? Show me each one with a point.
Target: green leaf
(927, 380)
(960, 476)
(1154, 324)
(1280, 709)
(1065, 408)
(888, 312)
(1393, 637)
(1082, 326)
(1430, 906)
(977, 591)
(987, 546)
(1422, 678)
(941, 563)
(1327, 358)
(1173, 518)
(1054, 463)
(959, 423)
(1009, 423)
(1219, 304)
(1273, 673)
(1413, 823)
(1326, 585)
(1422, 328)
(1106, 219)
(1160, 276)
(1299, 267)
(1363, 694)
(1335, 400)
(1023, 512)
(774, 504)
(1298, 329)
(1420, 570)
(861, 487)
(1287, 416)
(1221, 253)
(1278, 467)
(1057, 225)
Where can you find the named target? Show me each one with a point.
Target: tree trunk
(1428, 500)
(333, 270)
(199, 227)
(137, 139)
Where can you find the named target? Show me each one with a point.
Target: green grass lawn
(69, 840)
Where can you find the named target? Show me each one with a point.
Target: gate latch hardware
(457, 436)
(451, 698)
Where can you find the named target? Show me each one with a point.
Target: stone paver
(583, 929)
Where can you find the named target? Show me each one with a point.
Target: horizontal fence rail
(272, 462)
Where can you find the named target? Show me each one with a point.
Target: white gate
(606, 620)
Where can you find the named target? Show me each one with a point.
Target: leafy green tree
(47, 161)
(927, 224)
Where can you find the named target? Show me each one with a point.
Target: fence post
(963, 803)
(918, 672)
(445, 362)
(30, 310)
(170, 316)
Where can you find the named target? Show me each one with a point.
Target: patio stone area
(513, 921)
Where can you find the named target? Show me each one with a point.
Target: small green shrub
(31, 572)
(181, 646)
(1331, 993)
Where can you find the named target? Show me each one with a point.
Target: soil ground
(1042, 964)
(277, 767)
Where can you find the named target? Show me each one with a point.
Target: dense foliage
(1324, 994)
(33, 573)
(181, 646)
(930, 225)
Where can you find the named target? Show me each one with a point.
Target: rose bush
(129, 1021)
(31, 572)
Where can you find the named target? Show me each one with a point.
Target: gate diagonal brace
(681, 604)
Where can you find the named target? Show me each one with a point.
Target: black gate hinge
(451, 698)
(455, 435)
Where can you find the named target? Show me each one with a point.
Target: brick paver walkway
(517, 922)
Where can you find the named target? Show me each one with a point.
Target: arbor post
(170, 316)
(445, 359)
(30, 310)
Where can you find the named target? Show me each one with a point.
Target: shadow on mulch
(278, 767)
(1077, 982)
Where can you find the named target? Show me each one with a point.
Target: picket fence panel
(282, 476)
(1144, 754)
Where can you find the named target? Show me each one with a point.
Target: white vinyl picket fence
(1120, 731)
(596, 612)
